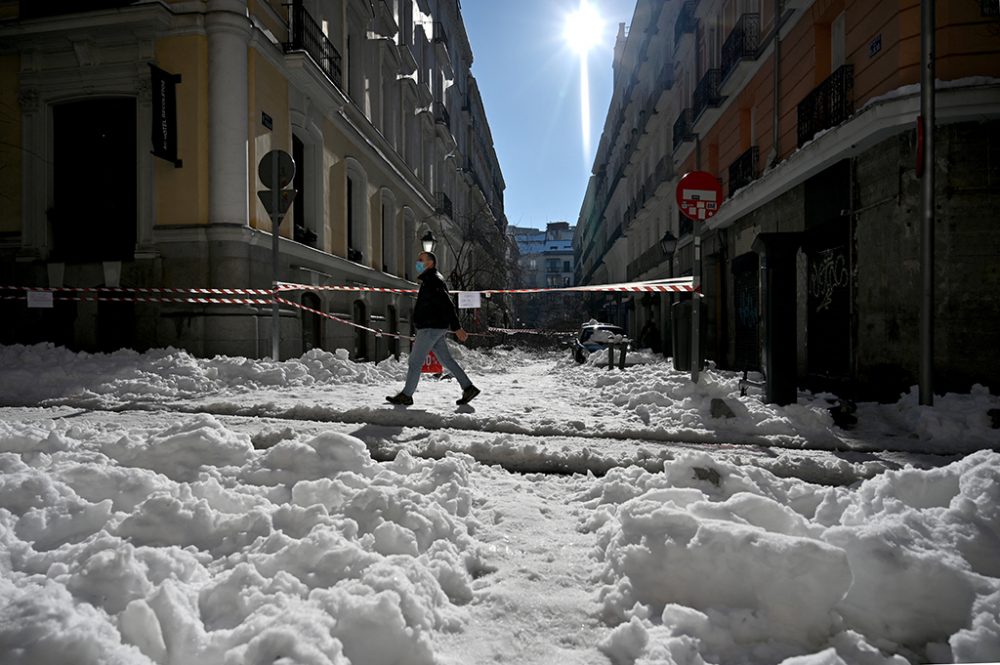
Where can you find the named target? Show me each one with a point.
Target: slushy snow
(162, 535)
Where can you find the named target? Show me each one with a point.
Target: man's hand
(461, 335)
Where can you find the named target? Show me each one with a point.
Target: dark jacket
(434, 308)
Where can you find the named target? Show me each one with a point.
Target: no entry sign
(699, 195)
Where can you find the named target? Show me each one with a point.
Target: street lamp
(428, 242)
(668, 243)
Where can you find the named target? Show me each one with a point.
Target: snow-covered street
(161, 508)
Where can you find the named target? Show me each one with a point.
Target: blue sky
(530, 83)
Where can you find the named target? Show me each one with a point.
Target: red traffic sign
(699, 195)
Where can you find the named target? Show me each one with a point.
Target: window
(566, 267)
(358, 236)
(390, 233)
(301, 227)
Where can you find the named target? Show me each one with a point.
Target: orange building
(806, 112)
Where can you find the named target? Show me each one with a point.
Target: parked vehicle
(594, 336)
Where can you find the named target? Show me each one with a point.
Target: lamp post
(668, 243)
(428, 242)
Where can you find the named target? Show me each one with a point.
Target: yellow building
(371, 98)
(806, 112)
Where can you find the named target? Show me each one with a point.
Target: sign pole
(275, 229)
(699, 195)
(276, 171)
(696, 308)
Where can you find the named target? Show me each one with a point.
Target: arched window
(312, 324)
(409, 243)
(360, 336)
(393, 329)
(358, 225)
(307, 209)
(390, 233)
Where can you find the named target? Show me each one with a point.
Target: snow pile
(32, 374)
(187, 545)
(653, 398)
(731, 564)
(657, 397)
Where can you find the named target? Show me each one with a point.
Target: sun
(583, 28)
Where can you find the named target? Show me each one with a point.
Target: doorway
(95, 177)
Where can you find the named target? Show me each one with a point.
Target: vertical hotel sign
(164, 134)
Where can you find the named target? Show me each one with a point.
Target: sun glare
(583, 28)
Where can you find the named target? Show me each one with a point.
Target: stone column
(228, 28)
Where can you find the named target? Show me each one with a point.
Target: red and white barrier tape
(376, 331)
(141, 289)
(154, 299)
(528, 331)
(675, 285)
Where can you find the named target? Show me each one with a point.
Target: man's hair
(432, 257)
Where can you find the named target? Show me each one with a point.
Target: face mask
(420, 267)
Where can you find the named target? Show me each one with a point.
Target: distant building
(546, 257)
(818, 169)
(545, 260)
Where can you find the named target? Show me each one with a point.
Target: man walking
(433, 316)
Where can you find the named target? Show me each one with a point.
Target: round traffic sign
(276, 169)
(699, 195)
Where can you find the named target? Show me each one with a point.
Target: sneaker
(468, 395)
(402, 399)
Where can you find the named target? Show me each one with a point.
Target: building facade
(375, 101)
(806, 111)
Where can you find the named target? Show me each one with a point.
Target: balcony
(744, 170)
(686, 22)
(440, 40)
(683, 127)
(442, 205)
(651, 258)
(306, 35)
(385, 21)
(441, 115)
(438, 35)
(661, 173)
(706, 93)
(828, 105)
(741, 44)
(665, 79)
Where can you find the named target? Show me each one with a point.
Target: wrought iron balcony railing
(439, 35)
(443, 204)
(683, 127)
(742, 43)
(651, 258)
(441, 115)
(686, 22)
(706, 93)
(744, 170)
(305, 34)
(829, 104)
(665, 78)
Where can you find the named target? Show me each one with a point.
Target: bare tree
(485, 257)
